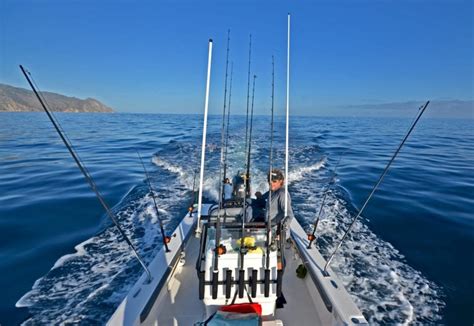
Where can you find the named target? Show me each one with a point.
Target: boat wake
(383, 285)
(87, 285)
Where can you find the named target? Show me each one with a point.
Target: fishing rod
(166, 239)
(250, 139)
(84, 171)
(243, 248)
(228, 121)
(247, 116)
(247, 190)
(223, 124)
(193, 200)
(268, 224)
(219, 249)
(420, 113)
(312, 237)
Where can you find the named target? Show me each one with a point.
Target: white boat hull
(172, 297)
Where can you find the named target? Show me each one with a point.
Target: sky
(151, 56)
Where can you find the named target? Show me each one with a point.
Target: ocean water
(408, 261)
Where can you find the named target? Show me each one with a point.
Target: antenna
(287, 117)
(204, 132)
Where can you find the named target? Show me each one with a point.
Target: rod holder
(228, 283)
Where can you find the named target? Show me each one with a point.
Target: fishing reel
(221, 250)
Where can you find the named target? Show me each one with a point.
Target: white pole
(204, 131)
(287, 116)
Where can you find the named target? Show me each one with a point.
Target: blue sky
(151, 56)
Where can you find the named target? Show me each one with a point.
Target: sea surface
(409, 259)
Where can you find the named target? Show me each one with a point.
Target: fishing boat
(222, 267)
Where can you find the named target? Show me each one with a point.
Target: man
(276, 208)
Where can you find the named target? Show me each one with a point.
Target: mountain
(15, 99)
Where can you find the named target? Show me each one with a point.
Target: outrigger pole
(287, 117)
(204, 131)
(85, 172)
(419, 114)
(166, 239)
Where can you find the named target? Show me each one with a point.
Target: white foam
(373, 271)
(298, 174)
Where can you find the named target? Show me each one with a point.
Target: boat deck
(179, 302)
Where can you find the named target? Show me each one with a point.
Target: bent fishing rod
(312, 236)
(84, 171)
(166, 239)
(419, 114)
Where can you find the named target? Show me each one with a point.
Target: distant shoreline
(16, 99)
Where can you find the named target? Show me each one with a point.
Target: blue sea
(409, 259)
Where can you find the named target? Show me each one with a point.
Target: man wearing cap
(277, 205)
